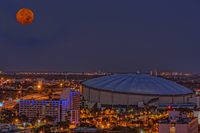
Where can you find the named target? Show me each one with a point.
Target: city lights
(99, 66)
(50, 102)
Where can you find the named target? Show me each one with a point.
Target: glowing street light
(39, 86)
(16, 120)
(61, 84)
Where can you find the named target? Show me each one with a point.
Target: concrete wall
(85, 93)
(94, 95)
(179, 99)
(164, 128)
(106, 97)
(134, 99)
(165, 99)
(121, 99)
(182, 128)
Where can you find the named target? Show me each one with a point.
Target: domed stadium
(132, 89)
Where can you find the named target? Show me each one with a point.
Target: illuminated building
(1, 104)
(57, 109)
(135, 89)
(69, 100)
(74, 103)
(197, 92)
(75, 106)
(178, 123)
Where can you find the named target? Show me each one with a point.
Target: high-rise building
(69, 100)
(57, 109)
(74, 103)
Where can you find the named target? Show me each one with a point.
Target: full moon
(25, 16)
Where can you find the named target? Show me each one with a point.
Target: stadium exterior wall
(116, 98)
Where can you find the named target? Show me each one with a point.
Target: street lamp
(16, 120)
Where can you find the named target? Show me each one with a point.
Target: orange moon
(25, 16)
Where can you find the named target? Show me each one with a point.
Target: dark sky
(107, 35)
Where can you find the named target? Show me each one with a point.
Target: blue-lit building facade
(57, 109)
(68, 101)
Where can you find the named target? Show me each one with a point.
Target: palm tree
(48, 119)
(23, 118)
(34, 120)
(8, 116)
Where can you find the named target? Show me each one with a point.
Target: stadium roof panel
(137, 84)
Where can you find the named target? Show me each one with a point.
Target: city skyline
(108, 36)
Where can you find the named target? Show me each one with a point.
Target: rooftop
(137, 84)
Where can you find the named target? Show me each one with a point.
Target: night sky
(106, 35)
